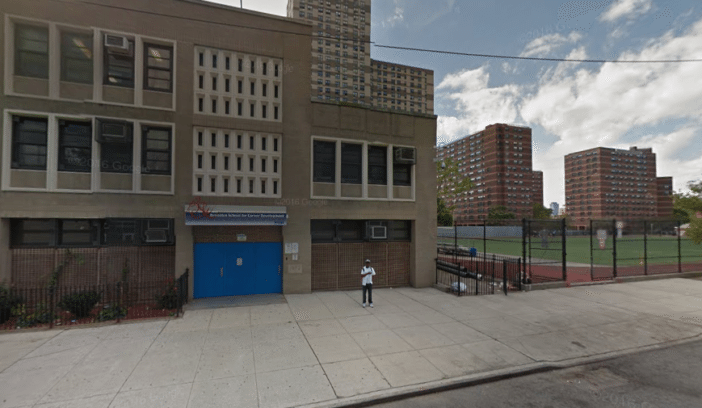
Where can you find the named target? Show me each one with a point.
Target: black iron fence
(600, 250)
(465, 273)
(22, 307)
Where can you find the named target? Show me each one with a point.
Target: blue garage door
(232, 269)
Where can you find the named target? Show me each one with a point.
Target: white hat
(367, 260)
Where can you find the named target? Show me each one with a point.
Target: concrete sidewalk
(325, 349)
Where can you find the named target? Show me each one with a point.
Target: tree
(540, 212)
(681, 215)
(443, 215)
(500, 212)
(450, 183)
(691, 204)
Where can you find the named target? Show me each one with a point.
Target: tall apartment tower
(499, 162)
(538, 187)
(615, 183)
(340, 47)
(342, 68)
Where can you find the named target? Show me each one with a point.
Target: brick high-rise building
(615, 183)
(401, 87)
(499, 162)
(342, 69)
(538, 187)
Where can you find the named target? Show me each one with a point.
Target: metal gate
(544, 250)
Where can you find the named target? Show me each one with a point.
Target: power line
(529, 58)
(373, 43)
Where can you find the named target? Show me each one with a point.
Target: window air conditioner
(113, 131)
(156, 231)
(117, 44)
(406, 155)
(379, 232)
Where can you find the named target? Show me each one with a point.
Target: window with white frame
(29, 137)
(158, 67)
(31, 51)
(77, 57)
(118, 68)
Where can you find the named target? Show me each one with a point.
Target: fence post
(563, 245)
(679, 251)
(504, 276)
(592, 262)
(51, 308)
(524, 247)
(614, 248)
(645, 248)
(485, 236)
(492, 274)
(455, 243)
(519, 270)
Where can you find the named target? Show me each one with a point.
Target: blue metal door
(269, 270)
(210, 264)
(232, 269)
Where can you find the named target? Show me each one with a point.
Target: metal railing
(63, 305)
(466, 273)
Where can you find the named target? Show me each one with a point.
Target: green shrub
(8, 302)
(80, 304)
(41, 315)
(169, 299)
(111, 313)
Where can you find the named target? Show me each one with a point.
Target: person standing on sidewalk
(367, 272)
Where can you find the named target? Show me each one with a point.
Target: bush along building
(190, 141)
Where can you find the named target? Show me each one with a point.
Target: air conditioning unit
(157, 231)
(117, 44)
(406, 155)
(113, 131)
(377, 230)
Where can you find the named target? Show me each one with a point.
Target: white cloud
(479, 104)
(585, 105)
(626, 8)
(397, 17)
(543, 46)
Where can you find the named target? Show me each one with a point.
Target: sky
(570, 106)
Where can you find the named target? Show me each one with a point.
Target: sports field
(630, 249)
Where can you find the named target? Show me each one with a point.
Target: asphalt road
(666, 378)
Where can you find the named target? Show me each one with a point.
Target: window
(199, 138)
(213, 184)
(199, 184)
(77, 58)
(240, 87)
(29, 143)
(275, 166)
(275, 187)
(252, 144)
(238, 163)
(251, 164)
(117, 156)
(226, 107)
(201, 81)
(251, 186)
(264, 143)
(275, 91)
(156, 150)
(226, 162)
(213, 139)
(263, 90)
(264, 111)
(276, 70)
(275, 144)
(226, 140)
(119, 67)
(265, 69)
(263, 186)
(400, 230)
(351, 163)
(239, 108)
(199, 161)
(377, 165)
(226, 63)
(214, 83)
(253, 110)
(253, 67)
(322, 231)
(213, 162)
(158, 69)
(31, 51)
(253, 88)
(77, 232)
(238, 141)
(402, 174)
(238, 185)
(33, 233)
(263, 165)
(324, 162)
(241, 64)
(200, 104)
(226, 85)
(226, 185)
(214, 61)
(275, 112)
(202, 59)
(75, 146)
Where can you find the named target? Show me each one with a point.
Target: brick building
(342, 68)
(538, 187)
(615, 183)
(499, 162)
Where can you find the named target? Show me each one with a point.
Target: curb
(485, 377)
(619, 279)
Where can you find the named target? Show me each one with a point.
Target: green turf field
(630, 249)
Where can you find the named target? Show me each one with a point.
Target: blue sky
(570, 106)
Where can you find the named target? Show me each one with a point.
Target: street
(662, 378)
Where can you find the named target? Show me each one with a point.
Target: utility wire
(373, 43)
(530, 58)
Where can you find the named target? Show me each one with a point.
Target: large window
(401, 173)
(29, 143)
(351, 163)
(156, 150)
(400, 230)
(75, 146)
(33, 233)
(77, 57)
(116, 156)
(31, 51)
(377, 165)
(324, 162)
(44, 233)
(158, 69)
(119, 66)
